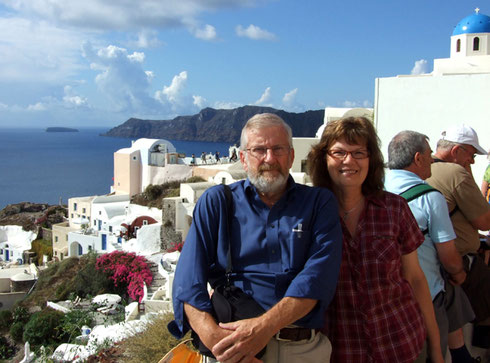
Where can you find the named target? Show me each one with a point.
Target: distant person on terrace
(285, 247)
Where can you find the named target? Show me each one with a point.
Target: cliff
(215, 125)
(31, 215)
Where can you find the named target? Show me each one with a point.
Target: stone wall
(47, 234)
(168, 234)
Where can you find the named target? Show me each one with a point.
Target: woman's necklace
(346, 213)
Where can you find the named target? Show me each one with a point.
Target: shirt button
(273, 251)
(272, 226)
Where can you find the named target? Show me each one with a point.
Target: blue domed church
(470, 47)
(457, 91)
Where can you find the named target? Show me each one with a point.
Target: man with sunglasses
(285, 241)
(469, 211)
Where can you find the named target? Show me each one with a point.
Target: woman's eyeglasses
(342, 154)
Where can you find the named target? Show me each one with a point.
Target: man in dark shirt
(285, 248)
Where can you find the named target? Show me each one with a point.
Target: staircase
(157, 282)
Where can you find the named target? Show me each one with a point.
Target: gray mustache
(268, 167)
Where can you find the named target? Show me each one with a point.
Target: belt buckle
(278, 337)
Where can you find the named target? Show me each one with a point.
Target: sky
(99, 62)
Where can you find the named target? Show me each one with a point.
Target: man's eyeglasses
(342, 154)
(260, 152)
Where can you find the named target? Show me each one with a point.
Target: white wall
(170, 172)
(302, 146)
(90, 241)
(147, 240)
(428, 104)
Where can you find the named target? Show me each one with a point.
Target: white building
(14, 241)
(147, 161)
(79, 214)
(457, 91)
(109, 213)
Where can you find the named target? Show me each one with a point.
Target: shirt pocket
(383, 249)
(299, 245)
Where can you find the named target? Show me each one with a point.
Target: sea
(49, 167)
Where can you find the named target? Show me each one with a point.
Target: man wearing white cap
(470, 212)
(451, 175)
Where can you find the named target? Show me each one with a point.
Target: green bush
(16, 331)
(6, 350)
(44, 328)
(152, 191)
(42, 247)
(72, 323)
(20, 315)
(65, 265)
(5, 319)
(195, 179)
(90, 281)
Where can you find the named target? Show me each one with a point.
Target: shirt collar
(399, 180)
(379, 201)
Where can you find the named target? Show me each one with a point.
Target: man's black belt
(295, 334)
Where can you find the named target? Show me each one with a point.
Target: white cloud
(356, 104)
(254, 32)
(349, 104)
(289, 102)
(71, 99)
(137, 57)
(224, 105)
(265, 98)
(121, 77)
(123, 80)
(171, 93)
(289, 98)
(199, 101)
(122, 15)
(3, 106)
(421, 67)
(367, 104)
(208, 32)
(37, 107)
(37, 51)
(176, 99)
(146, 39)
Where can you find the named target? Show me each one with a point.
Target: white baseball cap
(463, 134)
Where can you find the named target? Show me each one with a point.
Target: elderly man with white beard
(285, 247)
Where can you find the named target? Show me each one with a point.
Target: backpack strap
(417, 191)
(229, 209)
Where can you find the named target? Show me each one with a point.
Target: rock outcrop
(215, 125)
(31, 215)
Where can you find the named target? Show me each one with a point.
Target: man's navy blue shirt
(290, 250)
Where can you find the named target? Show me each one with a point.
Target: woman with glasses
(382, 303)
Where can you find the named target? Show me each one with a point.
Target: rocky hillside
(214, 125)
(31, 215)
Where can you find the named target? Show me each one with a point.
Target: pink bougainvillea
(126, 269)
(176, 246)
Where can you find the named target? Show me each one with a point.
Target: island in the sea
(61, 129)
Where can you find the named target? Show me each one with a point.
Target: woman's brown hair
(354, 130)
